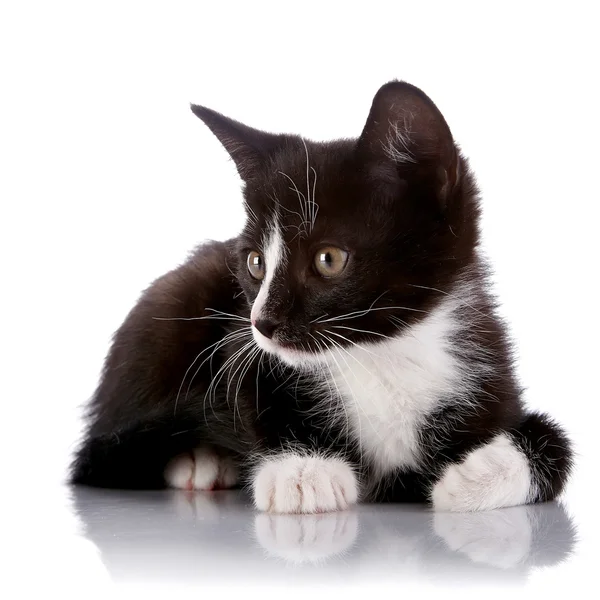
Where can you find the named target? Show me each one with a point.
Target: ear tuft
(406, 130)
(399, 144)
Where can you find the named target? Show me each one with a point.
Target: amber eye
(256, 265)
(330, 261)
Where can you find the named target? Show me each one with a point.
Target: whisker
(312, 206)
(252, 214)
(224, 340)
(351, 342)
(286, 380)
(355, 312)
(362, 331)
(179, 318)
(278, 202)
(301, 197)
(252, 355)
(364, 312)
(349, 354)
(308, 206)
(461, 300)
(227, 366)
(357, 404)
(315, 205)
(220, 312)
(339, 398)
(215, 317)
(258, 372)
(317, 319)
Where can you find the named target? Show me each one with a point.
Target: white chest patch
(389, 389)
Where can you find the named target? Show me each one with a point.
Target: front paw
(201, 469)
(295, 483)
(495, 475)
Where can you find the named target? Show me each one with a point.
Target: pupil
(327, 258)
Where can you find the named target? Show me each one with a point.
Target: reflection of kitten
(306, 538)
(194, 536)
(344, 344)
(499, 538)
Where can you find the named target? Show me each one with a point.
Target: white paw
(495, 475)
(201, 469)
(306, 538)
(293, 483)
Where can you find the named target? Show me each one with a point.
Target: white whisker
(353, 343)
(218, 315)
(315, 205)
(352, 313)
(461, 300)
(252, 215)
(220, 312)
(278, 203)
(339, 398)
(252, 355)
(351, 389)
(226, 367)
(308, 206)
(362, 313)
(230, 337)
(362, 331)
(301, 197)
(258, 373)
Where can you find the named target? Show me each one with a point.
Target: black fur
(403, 203)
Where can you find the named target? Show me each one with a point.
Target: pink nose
(253, 321)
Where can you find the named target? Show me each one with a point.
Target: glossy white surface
(217, 538)
(114, 542)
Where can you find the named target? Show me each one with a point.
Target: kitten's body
(391, 380)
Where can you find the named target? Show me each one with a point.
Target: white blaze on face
(274, 256)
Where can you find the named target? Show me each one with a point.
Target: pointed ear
(406, 132)
(248, 147)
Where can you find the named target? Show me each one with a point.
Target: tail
(133, 459)
(549, 452)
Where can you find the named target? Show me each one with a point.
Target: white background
(107, 180)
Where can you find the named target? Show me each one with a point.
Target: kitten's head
(350, 241)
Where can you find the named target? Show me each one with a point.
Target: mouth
(271, 345)
(288, 352)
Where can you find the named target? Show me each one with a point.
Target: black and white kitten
(344, 346)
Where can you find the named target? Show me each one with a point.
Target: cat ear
(248, 147)
(406, 132)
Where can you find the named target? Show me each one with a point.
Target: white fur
(201, 469)
(492, 476)
(274, 253)
(298, 483)
(390, 388)
(385, 393)
(398, 143)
